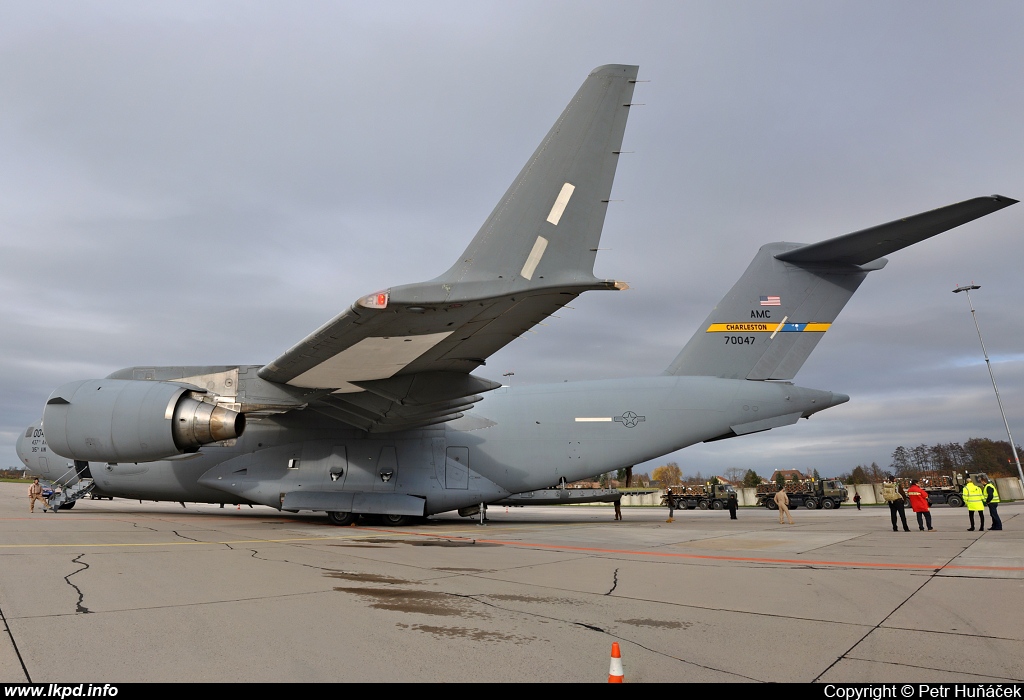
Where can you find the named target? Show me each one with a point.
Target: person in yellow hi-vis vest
(990, 496)
(975, 501)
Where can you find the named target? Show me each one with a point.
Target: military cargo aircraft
(380, 411)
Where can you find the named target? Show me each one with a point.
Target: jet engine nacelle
(118, 420)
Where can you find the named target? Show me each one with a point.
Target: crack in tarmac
(17, 652)
(192, 539)
(594, 628)
(928, 579)
(615, 582)
(79, 608)
(930, 668)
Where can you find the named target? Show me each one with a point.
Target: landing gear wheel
(67, 506)
(828, 504)
(336, 518)
(397, 520)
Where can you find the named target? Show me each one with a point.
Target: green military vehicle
(713, 496)
(811, 494)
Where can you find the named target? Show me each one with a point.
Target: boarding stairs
(75, 483)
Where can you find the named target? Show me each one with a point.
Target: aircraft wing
(402, 357)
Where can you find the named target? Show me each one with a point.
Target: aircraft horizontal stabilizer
(862, 247)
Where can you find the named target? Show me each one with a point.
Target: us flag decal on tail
(771, 300)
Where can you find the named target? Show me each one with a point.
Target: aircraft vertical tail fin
(775, 314)
(546, 228)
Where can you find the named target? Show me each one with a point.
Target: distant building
(787, 475)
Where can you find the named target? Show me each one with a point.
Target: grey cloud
(209, 182)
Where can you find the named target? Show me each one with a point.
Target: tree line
(976, 455)
(671, 475)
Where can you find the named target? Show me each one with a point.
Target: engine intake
(118, 420)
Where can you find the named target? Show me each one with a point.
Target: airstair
(75, 483)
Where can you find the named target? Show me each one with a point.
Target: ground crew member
(732, 503)
(35, 493)
(919, 504)
(991, 497)
(782, 501)
(896, 497)
(975, 501)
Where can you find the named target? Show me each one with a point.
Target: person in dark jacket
(896, 497)
(732, 503)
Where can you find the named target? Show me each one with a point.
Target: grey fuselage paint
(516, 440)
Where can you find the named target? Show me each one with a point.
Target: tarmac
(118, 591)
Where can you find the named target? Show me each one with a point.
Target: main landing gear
(338, 518)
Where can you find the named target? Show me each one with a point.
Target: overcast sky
(208, 182)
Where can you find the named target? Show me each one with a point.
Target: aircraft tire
(67, 506)
(397, 520)
(336, 518)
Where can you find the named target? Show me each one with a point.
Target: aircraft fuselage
(518, 439)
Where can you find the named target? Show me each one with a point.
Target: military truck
(810, 493)
(713, 496)
(946, 487)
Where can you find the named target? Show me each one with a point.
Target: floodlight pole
(1013, 446)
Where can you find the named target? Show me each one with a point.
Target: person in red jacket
(919, 504)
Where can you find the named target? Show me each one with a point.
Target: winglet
(546, 228)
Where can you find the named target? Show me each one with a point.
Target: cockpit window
(28, 433)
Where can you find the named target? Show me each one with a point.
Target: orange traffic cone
(615, 670)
